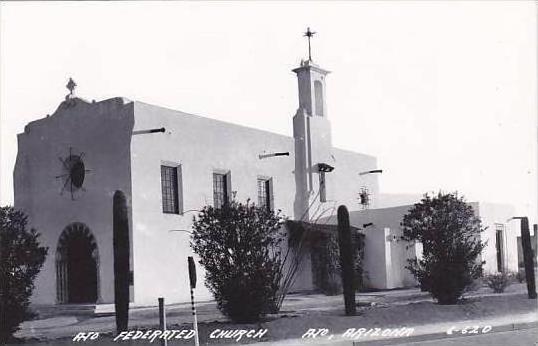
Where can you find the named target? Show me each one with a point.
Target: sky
(444, 94)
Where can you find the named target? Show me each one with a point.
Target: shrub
(325, 264)
(450, 234)
(21, 259)
(239, 246)
(520, 276)
(475, 285)
(498, 281)
(326, 268)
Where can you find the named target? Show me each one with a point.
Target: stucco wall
(202, 146)
(344, 183)
(534, 246)
(385, 253)
(102, 131)
(388, 200)
(492, 214)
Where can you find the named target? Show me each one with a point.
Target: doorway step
(80, 310)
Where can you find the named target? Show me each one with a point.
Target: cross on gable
(71, 85)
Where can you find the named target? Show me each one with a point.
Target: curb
(441, 335)
(396, 340)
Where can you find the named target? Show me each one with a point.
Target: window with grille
(265, 193)
(170, 191)
(221, 187)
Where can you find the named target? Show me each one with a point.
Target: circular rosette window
(74, 174)
(76, 170)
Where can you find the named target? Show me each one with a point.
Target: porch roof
(314, 231)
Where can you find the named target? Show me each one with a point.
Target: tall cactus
(121, 260)
(528, 257)
(346, 260)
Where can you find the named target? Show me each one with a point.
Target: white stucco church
(170, 164)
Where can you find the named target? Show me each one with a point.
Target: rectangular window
(265, 193)
(499, 246)
(322, 187)
(221, 189)
(170, 191)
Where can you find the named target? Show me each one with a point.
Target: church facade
(169, 164)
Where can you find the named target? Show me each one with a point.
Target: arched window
(318, 93)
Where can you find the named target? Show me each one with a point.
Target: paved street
(523, 337)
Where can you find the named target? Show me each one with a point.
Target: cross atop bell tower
(311, 80)
(309, 34)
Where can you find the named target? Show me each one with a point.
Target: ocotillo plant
(121, 260)
(346, 260)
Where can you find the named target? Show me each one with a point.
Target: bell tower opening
(311, 82)
(318, 95)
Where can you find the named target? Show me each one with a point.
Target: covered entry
(77, 264)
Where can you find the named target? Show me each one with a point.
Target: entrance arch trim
(61, 259)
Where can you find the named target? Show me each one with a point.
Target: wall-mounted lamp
(189, 211)
(140, 132)
(180, 230)
(392, 238)
(372, 171)
(264, 156)
(324, 167)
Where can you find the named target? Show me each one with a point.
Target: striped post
(196, 340)
(192, 282)
(162, 320)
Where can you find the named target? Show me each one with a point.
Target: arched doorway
(77, 264)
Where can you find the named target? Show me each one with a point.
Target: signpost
(192, 279)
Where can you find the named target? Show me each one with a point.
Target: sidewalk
(431, 331)
(408, 308)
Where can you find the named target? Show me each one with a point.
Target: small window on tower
(318, 93)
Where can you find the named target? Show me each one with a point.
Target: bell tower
(311, 80)
(312, 135)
